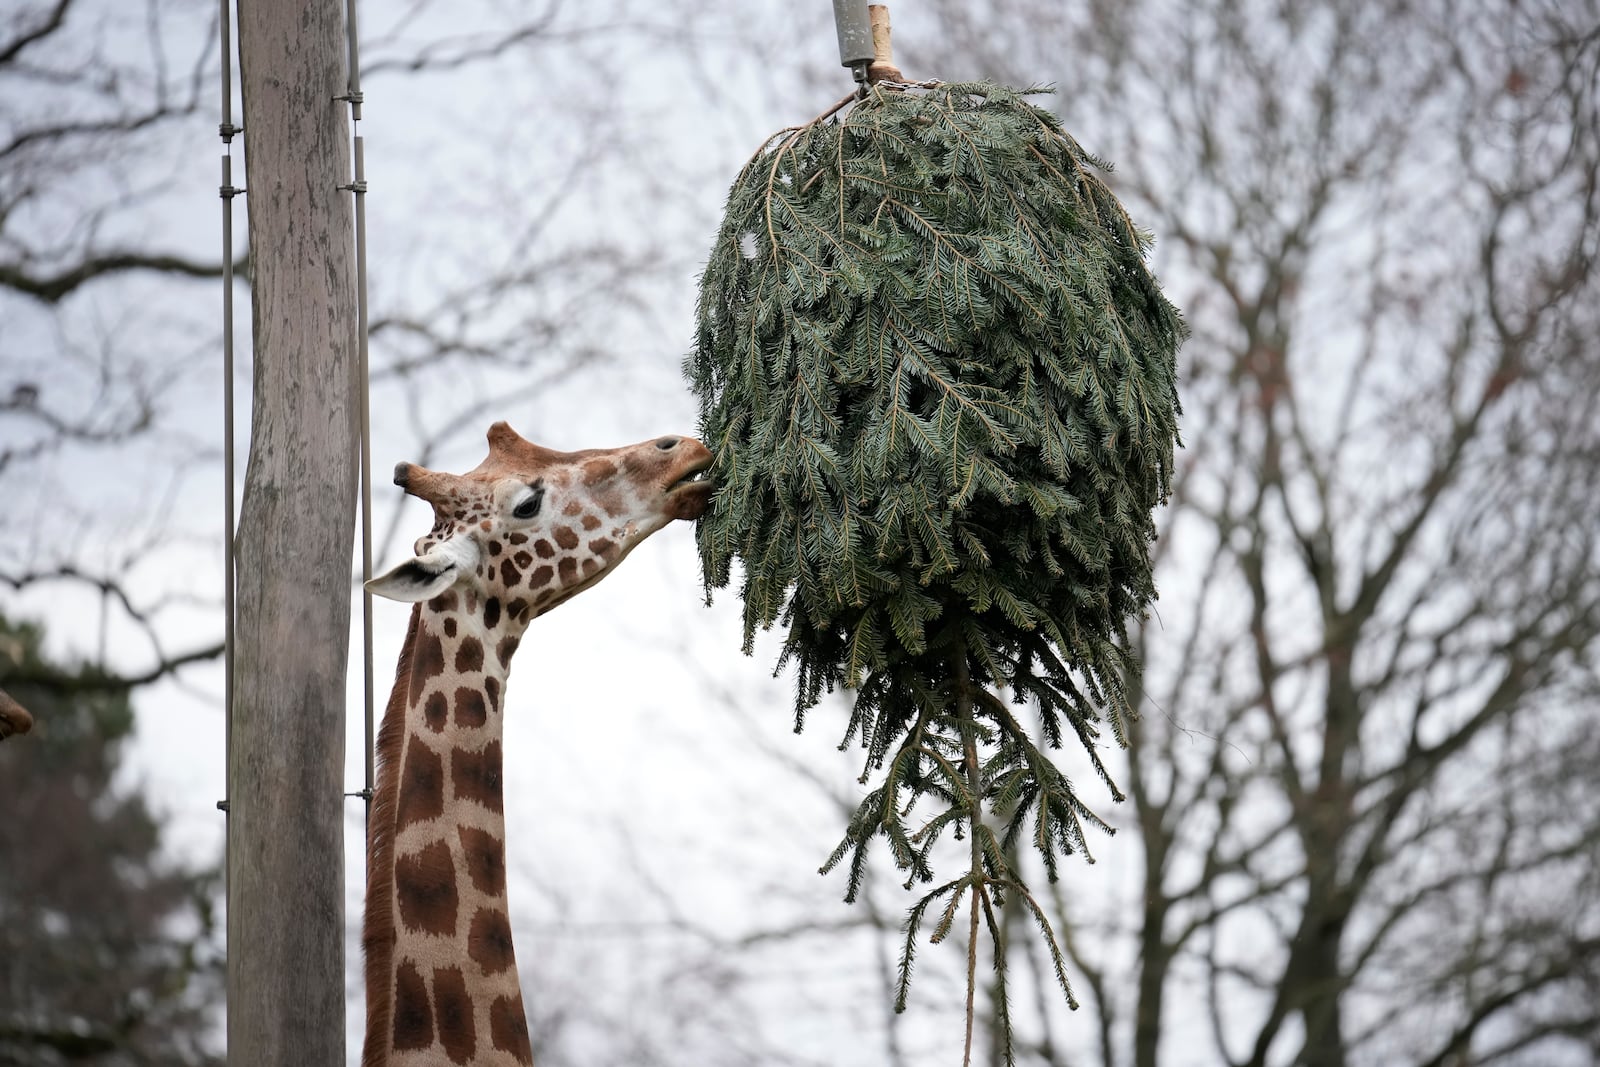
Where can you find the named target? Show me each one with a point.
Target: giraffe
(524, 531)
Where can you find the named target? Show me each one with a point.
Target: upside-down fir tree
(938, 379)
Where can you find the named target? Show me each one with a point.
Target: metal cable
(358, 186)
(228, 191)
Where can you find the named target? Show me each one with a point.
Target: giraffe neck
(441, 974)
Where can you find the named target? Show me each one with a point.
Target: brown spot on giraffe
(413, 1015)
(425, 888)
(485, 858)
(545, 549)
(590, 566)
(489, 941)
(470, 709)
(508, 1028)
(452, 1009)
(540, 577)
(494, 547)
(422, 786)
(566, 537)
(573, 508)
(591, 522)
(598, 470)
(491, 613)
(426, 662)
(491, 689)
(567, 569)
(506, 649)
(518, 538)
(469, 656)
(522, 560)
(602, 546)
(476, 775)
(509, 573)
(436, 712)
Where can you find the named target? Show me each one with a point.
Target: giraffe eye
(530, 504)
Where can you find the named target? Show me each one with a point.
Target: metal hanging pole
(228, 191)
(855, 37)
(358, 186)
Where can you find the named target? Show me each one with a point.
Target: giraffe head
(529, 527)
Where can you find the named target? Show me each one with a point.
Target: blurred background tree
(1357, 787)
(108, 949)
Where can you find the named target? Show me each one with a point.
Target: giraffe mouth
(699, 474)
(688, 497)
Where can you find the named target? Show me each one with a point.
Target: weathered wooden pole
(286, 994)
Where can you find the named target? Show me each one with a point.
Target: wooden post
(286, 992)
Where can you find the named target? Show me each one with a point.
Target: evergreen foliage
(107, 950)
(939, 382)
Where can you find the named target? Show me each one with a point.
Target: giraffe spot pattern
(518, 539)
(568, 569)
(425, 886)
(494, 547)
(427, 662)
(544, 548)
(590, 566)
(573, 508)
(601, 545)
(541, 576)
(469, 656)
(517, 608)
(566, 537)
(508, 1028)
(436, 711)
(470, 710)
(597, 471)
(489, 941)
(444, 603)
(491, 613)
(477, 775)
(486, 862)
(413, 1015)
(591, 522)
(506, 649)
(421, 786)
(491, 687)
(522, 559)
(509, 573)
(453, 1010)
(450, 626)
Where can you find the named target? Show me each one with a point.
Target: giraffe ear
(425, 576)
(420, 578)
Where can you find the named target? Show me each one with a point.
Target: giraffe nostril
(667, 444)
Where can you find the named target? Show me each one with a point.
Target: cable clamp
(228, 129)
(228, 192)
(222, 805)
(364, 794)
(354, 98)
(355, 187)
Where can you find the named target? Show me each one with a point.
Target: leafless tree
(1358, 791)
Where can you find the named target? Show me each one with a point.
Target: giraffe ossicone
(524, 531)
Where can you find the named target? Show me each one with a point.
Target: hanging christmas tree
(938, 378)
